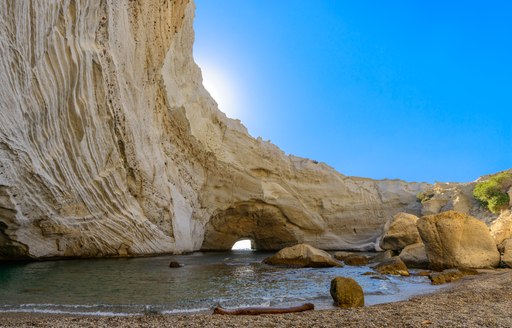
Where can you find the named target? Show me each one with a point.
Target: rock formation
(111, 146)
(442, 197)
(457, 240)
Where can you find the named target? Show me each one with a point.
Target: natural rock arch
(263, 223)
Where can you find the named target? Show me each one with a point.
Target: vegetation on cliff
(493, 191)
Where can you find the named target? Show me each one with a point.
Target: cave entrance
(243, 245)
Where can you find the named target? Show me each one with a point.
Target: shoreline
(484, 300)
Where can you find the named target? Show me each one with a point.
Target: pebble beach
(484, 300)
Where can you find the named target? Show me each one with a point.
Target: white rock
(110, 145)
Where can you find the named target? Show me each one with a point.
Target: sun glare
(220, 86)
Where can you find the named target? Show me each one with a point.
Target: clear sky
(416, 90)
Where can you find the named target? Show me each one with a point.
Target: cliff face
(110, 146)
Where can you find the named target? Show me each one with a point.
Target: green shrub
(425, 195)
(493, 192)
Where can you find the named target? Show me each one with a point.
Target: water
(148, 286)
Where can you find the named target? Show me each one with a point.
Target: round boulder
(346, 292)
(399, 232)
(301, 256)
(457, 240)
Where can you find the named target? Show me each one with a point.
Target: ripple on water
(147, 285)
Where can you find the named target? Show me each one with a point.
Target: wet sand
(484, 300)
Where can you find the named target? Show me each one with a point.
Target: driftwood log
(263, 310)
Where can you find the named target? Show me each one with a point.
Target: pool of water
(147, 285)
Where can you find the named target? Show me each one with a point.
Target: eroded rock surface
(111, 146)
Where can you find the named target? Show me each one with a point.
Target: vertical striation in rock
(111, 146)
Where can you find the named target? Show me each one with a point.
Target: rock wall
(111, 146)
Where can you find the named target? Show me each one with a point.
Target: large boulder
(501, 228)
(394, 266)
(302, 255)
(414, 256)
(457, 240)
(399, 232)
(506, 258)
(346, 292)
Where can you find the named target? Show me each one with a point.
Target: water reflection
(206, 279)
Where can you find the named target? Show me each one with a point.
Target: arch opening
(265, 225)
(243, 244)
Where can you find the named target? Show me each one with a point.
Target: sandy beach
(484, 300)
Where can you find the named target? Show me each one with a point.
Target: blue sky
(420, 91)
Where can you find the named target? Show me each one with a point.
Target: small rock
(368, 273)
(394, 266)
(449, 275)
(342, 255)
(422, 274)
(379, 277)
(356, 260)
(174, 264)
(346, 292)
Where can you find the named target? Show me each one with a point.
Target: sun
(220, 86)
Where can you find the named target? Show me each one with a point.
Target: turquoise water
(147, 285)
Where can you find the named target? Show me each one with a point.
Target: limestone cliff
(111, 146)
